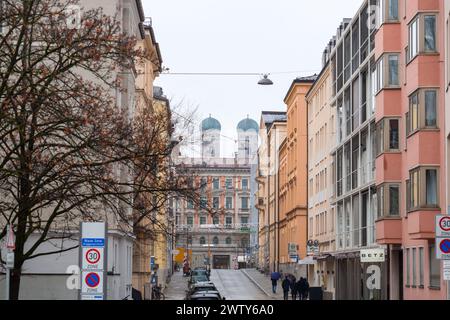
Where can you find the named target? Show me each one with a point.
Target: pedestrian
(275, 276)
(303, 288)
(298, 286)
(286, 285)
(293, 281)
(306, 289)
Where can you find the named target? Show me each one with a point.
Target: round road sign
(444, 223)
(445, 246)
(92, 280)
(92, 256)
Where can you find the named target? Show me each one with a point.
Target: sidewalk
(264, 283)
(176, 288)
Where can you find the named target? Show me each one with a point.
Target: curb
(256, 283)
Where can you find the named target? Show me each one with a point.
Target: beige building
(144, 245)
(294, 179)
(321, 214)
(272, 134)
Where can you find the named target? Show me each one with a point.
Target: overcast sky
(260, 36)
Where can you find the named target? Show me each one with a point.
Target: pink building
(410, 129)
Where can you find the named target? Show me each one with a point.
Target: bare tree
(67, 150)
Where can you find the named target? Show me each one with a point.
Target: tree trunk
(14, 289)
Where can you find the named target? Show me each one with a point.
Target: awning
(307, 261)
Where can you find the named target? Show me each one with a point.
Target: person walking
(275, 276)
(306, 293)
(293, 287)
(303, 288)
(298, 286)
(286, 285)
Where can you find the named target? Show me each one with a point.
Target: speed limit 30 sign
(442, 226)
(92, 258)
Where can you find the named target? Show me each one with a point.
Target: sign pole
(8, 274)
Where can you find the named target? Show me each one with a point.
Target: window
(190, 221)
(228, 202)
(387, 71)
(229, 183)
(424, 192)
(388, 140)
(421, 267)
(216, 202)
(430, 108)
(430, 33)
(202, 240)
(228, 240)
(190, 204)
(431, 187)
(215, 220)
(388, 200)
(203, 203)
(423, 110)
(408, 267)
(244, 184)
(422, 39)
(393, 69)
(228, 222)
(244, 203)
(414, 271)
(244, 221)
(216, 241)
(202, 220)
(388, 11)
(435, 268)
(216, 183)
(203, 183)
(413, 46)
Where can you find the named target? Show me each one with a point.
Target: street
(232, 284)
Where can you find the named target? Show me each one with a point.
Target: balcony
(389, 230)
(421, 224)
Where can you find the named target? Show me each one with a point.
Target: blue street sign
(445, 246)
(92, 242)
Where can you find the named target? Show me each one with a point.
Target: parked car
(206, 295)
(198, 278)
(200, 287)
(200, 272)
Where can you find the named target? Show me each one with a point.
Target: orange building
(293, 179)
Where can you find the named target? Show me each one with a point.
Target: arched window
(215, 240)
(228, 240)
(202, 240)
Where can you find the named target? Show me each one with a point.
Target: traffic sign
(442, 226)
(10, 242)
(444, 245)
(443, 248)
(92, 282)
(93, 258)
(93, 254)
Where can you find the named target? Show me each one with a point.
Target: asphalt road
(232, 284)
(235, 285)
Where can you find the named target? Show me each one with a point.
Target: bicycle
(157, 293)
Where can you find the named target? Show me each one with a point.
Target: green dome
(247, 125)
(210, 124)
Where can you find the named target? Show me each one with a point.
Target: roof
(210, 124)
(308, 79)
(248, 124)
(270, 117)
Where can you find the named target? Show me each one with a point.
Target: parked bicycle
(157, 293)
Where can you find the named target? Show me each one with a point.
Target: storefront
(356, 280)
